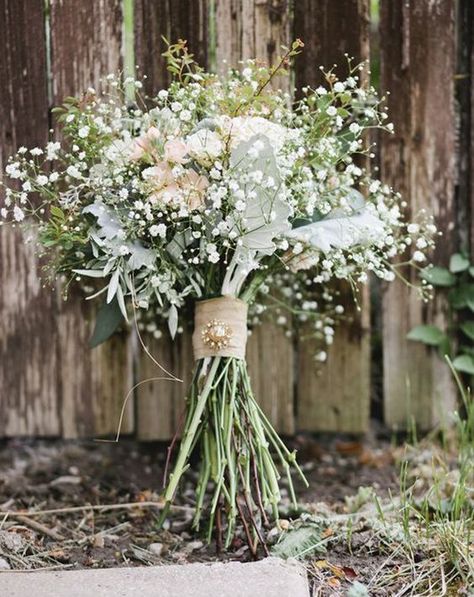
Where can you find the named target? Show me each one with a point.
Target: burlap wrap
(228, 310)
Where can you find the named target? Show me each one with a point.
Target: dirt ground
(62, 475)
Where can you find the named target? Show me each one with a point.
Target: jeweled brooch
(216, 334)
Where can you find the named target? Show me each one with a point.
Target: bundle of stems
(241, 455)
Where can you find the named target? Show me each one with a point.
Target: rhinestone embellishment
(216, 334)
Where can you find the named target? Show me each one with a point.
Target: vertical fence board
(28, 347)
(257, 29)
(160, 404)
(86, 43)
(419, 162)
(335, 397)
(180, 19)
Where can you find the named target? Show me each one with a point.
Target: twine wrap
(220, 328)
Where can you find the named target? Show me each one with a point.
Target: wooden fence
(51, 384)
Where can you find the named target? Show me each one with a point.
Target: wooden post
(418, 67)
(160, 404)
(257, 29)
(336, 396)
(465, 147)
(86, 43)
(28, 333)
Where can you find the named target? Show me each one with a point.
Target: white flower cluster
(221, 187)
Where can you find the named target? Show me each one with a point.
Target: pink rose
(144, 143)
(153, 133)
(193, 186)
(175, 151)
(168, 194)
(159, 176)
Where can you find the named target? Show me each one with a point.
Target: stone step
(271, 577)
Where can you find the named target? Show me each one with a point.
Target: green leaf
(428, 334)
(108, 319)
(458, 263)
(471, 271)
(464, 363)
(444, 347)
(467, 350)
(58, 212)
(462, 296)
(468, 328)
(438, 276)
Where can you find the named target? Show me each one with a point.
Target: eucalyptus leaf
(108, 320)
(121, 302)
(113, 285)
(173, 320)
(92, 273)
(464, 363)
(438, 276)
(428, 334)
(458, 263)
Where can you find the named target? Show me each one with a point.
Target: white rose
(204, 146)
(243, 128)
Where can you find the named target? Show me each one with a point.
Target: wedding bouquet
(220, 193)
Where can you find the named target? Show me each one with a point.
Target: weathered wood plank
(28, 339)
(86, 43)
(160, 404)
(465, 146)
(180, 19)
(335, 397)
(418, 160)
(247, 29)
(270, 356)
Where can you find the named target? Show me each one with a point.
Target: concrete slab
(271, 577)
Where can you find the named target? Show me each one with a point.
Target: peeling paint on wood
(29, 402)
(86, 44)
(418, 67)
(335, 397)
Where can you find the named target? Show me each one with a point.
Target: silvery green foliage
(341, 231)
(266, 213)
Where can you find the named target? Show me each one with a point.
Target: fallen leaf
(349, 572)
(336, 570)
(376, 458)
(334, 582)
(349, 448)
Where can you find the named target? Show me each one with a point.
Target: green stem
(190, 432)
